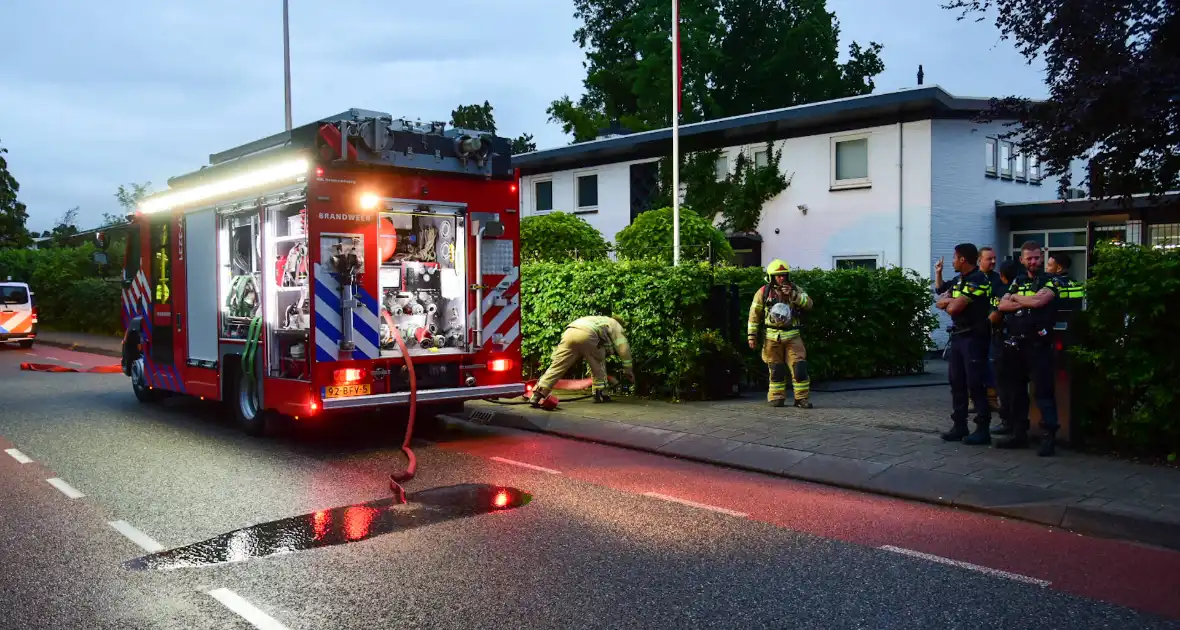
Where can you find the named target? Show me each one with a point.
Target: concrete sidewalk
(883, 441)
(106, 345)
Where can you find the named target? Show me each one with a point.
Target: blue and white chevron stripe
(365, 321)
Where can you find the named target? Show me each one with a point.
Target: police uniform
(1029, 357)
(777, 312)
(968, 358)
(1000, 362)
(592, 338)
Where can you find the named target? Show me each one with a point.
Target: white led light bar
(245, 181)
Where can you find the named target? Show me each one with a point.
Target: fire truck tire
(248, 411)
(27, 343)
(143, 392)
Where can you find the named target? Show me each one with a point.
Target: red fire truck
(292, 276)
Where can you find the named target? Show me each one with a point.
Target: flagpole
(287, 64)
(675, 132)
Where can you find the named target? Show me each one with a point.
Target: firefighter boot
(980, 437)
(600, 396)
(778, 402)
(803, 403)
(1048, 444)
(957, 433)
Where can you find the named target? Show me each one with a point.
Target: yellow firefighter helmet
(778, 267)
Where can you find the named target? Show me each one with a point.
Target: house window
(722, 168)
(850, 162)
(587, 192)
(1034, 169)
(1005, 159)
(1164, 235)
(543, 195)
(761, 158)
(1021, 164)
(854, 262)
(989, 160)
(1074, 238)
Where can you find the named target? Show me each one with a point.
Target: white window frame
(721, 166)
(1047, 246)
(1004, 165)
(991, 148)
(754, 156)
(533, 192)
(859, 182)
(597, 190)
(876, 258)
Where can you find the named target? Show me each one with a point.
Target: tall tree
(66, 227)
(128, 197)
(13, 213)
(738, 56)
(1113, 71)
(481, 118)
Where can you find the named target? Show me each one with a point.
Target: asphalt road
(611, 538)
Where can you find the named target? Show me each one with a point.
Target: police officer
(1008, 272)
(1030, 308)
(968, 305)
(1073, 293)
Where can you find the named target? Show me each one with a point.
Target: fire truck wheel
(251, 417)
(27, 343)
(139, 384)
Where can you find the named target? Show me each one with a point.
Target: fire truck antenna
(287, 63)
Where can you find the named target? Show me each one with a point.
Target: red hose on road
(395, 479)
(53, 367)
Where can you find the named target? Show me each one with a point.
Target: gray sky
(97, 94)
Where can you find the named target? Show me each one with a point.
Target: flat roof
(918, 103)
(1085, 206)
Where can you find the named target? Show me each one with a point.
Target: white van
(18, 314)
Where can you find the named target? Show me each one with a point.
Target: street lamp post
(287, 64)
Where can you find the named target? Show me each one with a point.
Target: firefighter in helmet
(776, 309)
(593, 338)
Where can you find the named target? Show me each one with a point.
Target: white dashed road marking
(967, 565)
(524, 465)
(18, 456)
(703, 506)
(245, 610)
(74, 363)
(144, 541)
(65, 488)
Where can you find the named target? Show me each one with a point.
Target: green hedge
(65, 282)
(865, 323)
(1128, 372)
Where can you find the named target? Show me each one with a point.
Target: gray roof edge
(931, 94)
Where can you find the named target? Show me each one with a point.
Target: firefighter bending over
(593, 338)
(776, 308)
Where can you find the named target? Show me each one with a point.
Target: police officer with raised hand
(1029, 310)
(968, 305)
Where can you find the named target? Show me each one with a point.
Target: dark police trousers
(1000, 369)
(1025, 361)
(968, 364)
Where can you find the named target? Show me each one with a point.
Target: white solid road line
(703, 506)
(74, 363)
(144, 541)
(967, 565)
(246, 610)
(18, 456)
(65, 488)
(524, 465)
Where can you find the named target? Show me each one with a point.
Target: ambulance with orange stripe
(302, 274)
(18, 314)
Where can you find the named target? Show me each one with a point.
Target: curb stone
(1026, 503)
(106, 352)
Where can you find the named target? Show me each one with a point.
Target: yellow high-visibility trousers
(575, 344)
(781, 357)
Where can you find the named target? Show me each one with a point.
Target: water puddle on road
(337, 526)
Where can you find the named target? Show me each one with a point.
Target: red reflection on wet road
(1123, 573)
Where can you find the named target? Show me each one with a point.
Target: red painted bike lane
(1118, 572)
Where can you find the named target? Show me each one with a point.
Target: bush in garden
(865, 323)
(558, 237)
(1128, 377)
(649, 237)
(65, 283)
